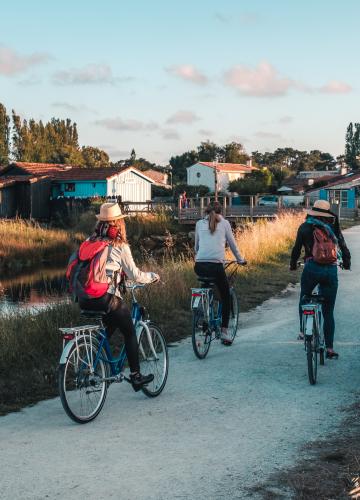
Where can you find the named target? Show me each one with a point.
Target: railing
(253, 207)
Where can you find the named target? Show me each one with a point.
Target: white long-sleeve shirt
(120, 259)
(210, 247)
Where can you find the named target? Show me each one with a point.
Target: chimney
(249, 162)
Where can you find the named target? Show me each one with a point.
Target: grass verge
(327, 469)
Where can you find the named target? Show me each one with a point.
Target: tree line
(53, 142)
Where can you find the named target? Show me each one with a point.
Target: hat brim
(319, 214)
(98, 216)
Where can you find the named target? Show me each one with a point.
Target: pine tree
(4, 135)
(349, 145)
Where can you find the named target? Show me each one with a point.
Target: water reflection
(32, 290)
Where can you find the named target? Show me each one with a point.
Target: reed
(24, 244)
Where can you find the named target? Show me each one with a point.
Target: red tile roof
(156, 176)
(85, 174)
(228, 167)
(40, 168)
(338, 181)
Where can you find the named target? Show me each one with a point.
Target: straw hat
(110, 211)
(321, 208)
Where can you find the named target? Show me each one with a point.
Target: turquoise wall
(83, 189)
(351, 196)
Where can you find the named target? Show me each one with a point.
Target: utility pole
(216, 179)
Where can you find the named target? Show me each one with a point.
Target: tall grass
(24, 244)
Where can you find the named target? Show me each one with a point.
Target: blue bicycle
(87, 366)
(207, 312)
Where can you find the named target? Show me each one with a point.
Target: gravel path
(220, 426)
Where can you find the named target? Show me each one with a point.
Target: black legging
(217, 271)
(118, 316)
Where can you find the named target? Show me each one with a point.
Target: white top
(211, 247)
(120, 259)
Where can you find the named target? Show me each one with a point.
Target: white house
(207, 173)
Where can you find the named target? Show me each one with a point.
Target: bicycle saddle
(313, 298)
(92, 314)
(206, 280)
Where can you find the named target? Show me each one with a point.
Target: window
(198, 174)
(70, 187)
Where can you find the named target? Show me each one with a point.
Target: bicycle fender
(309, 326)
(66, 352)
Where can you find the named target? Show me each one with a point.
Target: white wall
(130, 186)
(207, 177)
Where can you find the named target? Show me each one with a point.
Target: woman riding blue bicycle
(111, 229)
(321, 237)
(211, 235)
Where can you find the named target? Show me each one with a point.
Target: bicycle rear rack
(84, 335)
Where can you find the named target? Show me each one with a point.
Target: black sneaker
(138, 380)
(330, 354)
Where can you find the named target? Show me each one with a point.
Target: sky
(162, 76)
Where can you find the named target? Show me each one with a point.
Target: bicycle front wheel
(201, 336)
(234, 314)
(154, 358)
(82, 387)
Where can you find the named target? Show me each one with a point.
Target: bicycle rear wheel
(154, 358)
(312, 349)
(82, 387)
(201, 335)
(234, 314)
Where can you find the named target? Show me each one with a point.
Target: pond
(33, 290)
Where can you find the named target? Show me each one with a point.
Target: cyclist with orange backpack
(95, 272)
(324, 246)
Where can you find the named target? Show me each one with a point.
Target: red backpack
(324, 250)
(86, 270)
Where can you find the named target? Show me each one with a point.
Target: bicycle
(87, 366)
(312, 328)
(207, 313)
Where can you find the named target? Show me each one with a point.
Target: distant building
(208, 173)
(26, 188)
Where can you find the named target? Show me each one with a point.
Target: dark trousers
(326, 277)
(217, 271)
(118, 316)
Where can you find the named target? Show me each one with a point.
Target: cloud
(29, 82)
(170, 135)
(206, 132)
(284, 120)
(268, 135)
(91, 74)
(184, 117)
(243, 18)
(12, 63)
(189, 73)
(72, 108)
(113, 151)
(126, 125)
(262, 81)
(336, 87)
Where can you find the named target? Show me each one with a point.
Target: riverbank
(25, 244)
(30, 345)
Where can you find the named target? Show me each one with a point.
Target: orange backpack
(324, 250)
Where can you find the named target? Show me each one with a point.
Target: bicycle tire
(312, 348)
(68, 396)
(234, 314)
(159, 367)
(201, 337)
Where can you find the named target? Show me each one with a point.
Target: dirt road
(220, 426)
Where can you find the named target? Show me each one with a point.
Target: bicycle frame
(88, 334)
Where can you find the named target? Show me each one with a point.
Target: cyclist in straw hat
(111, 229)
(324, 246)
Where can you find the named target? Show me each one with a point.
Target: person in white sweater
(211, 236)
